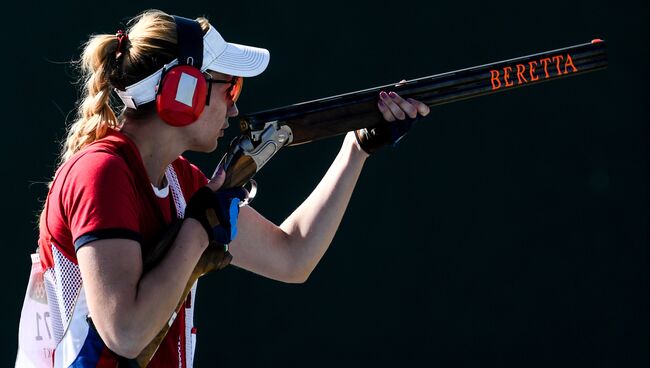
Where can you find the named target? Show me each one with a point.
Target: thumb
(217, 180)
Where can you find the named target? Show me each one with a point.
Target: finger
(383, 108)
(404, 105)
(392, 106)
(217, 180)
(422, 108)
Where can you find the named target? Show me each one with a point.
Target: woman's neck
(157, 148)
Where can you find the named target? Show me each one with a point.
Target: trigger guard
(251, 194)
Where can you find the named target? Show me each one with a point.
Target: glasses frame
(233, 82)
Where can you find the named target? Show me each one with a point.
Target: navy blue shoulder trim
(106, 234)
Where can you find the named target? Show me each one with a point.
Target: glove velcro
(217, 212)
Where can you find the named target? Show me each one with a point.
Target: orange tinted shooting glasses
(233, 92)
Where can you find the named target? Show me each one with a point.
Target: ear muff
(181, 95)
(182, 91)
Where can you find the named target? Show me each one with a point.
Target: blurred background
(508, 230)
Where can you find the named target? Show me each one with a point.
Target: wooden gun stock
(215, 257)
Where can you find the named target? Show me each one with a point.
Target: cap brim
(240, 60)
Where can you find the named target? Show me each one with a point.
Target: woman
(122, 181)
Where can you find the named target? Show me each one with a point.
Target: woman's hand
(217, 209)
(393, 107)
(399, 114)
(218, 179)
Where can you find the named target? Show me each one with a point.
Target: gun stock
(215, 257)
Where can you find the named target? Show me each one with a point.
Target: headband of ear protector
(182, 91)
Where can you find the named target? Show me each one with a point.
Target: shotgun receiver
(265, 132)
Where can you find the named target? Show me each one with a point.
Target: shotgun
(264, 133)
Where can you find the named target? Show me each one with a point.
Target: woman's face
(214, 120)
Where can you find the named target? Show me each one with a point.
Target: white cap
(218, 55)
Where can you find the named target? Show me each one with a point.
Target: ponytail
(94, 113)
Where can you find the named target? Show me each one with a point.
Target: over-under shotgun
(265, 132)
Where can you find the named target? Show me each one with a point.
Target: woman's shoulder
(93, 167)
(91, 162)
(104, 156)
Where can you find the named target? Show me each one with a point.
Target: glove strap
(387, 133)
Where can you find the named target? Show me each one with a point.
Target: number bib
(35, 340)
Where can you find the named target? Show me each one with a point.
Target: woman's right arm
(129, 308)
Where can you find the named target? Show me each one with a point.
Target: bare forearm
(312, 226)
(160, 289)
(290, 252)
(128, 319)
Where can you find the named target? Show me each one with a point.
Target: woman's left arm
(291, 251)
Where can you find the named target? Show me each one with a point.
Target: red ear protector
(182, 91)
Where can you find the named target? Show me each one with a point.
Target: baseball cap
(218, 55)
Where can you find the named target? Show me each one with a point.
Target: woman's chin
(205, 147)
(211, 148)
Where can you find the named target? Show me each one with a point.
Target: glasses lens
(235, 88)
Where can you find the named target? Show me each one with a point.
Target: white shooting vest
(62, 327)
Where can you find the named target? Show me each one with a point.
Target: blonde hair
(151, 44)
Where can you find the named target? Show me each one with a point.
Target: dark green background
(508, 230)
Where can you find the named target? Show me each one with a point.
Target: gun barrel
(330, 116)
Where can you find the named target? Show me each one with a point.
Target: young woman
(122, 181)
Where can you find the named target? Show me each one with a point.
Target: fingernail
(392, 94)
(383, 94)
